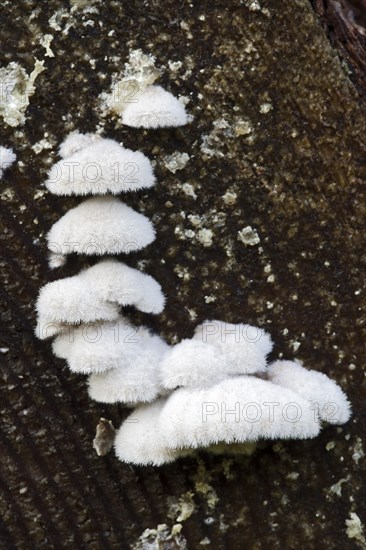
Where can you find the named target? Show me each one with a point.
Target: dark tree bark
(280, 126)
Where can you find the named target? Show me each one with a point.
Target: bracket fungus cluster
(214, 389)
(222, 391)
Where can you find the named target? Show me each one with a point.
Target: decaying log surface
(278, 144)
(345, 24)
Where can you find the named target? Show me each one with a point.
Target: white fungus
(135, 380)
(75, 142)
(190, 364)
(100, 225)
(329, 401)
(244, 347)
(7, 158)
(140, 441)
(96, 294)
(237, 410)
(93, 166)
(154, 108)
(99, 347)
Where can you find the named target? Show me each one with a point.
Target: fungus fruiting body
(206, 392)
(7, 158)
(154, 108)
(242, 409)
(98, 166)
(99, 347)
(198, 363)
(98, 226)
(96, 294)
(236, 410)
(75, 142)
(245, 347)
(327, 398)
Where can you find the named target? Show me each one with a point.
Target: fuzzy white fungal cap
(192, 364)
(7, 158)
(155, 108)
(135, 380)
(70, 301)
(98, 347)
(100, 225)
(139, 440)
(329, 401)
(244, 347)
(76, 142)
(101, 166)
(96, 294)
(237, 410)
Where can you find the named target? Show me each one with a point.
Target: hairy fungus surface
(100, 226)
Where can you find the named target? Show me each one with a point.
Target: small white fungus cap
(135, 380)
(155, 108)
(7, 158)
(96, 294)
(192, 364)
(244, 347)
(98, 347)
(139, 440)
(100, 225)
(329, 401)
(98, 166)
(75, 142)
(237, 410)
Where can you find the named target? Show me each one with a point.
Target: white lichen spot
(295, 345)
(229, 198)
(46, 43)
(174, 66)
(161, 537)
(16, 87)
(195, 220)
(182, 509)
(358, 452)
(243, 127)
(192, 314)
(212, 143)
(265, 108)
(176, 161)
(354, 529)
(210, 298)
(270, 279)
(204, 236)
(253, 5)
(41, 145)
(248, 236)
(188, 190)
(336, 488)
(330, 446)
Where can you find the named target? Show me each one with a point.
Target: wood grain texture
(299, 177)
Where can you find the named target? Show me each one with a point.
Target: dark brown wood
(298, 172)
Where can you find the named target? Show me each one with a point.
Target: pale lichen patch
(248, 236)
(16, 88)
(176, 161)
